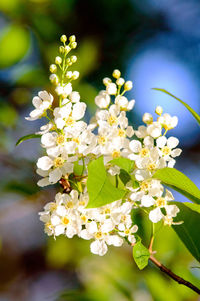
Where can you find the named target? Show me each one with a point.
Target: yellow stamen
(160, 202)
(112, 120)
(58, 162)
(116, 154)
(102, 140)
(60, 139)
(166, 150)
(144, 152)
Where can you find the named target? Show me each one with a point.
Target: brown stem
(174, 276)
(151, 245)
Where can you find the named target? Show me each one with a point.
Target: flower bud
(73, 59)
(116, 73)
(53, 68)
(73, 45)
(75, 75)
(120, 81)
(72, 38)
(69, 74)
(159, 110)
(106, 81)
(63, 38)
(54, 79)
(67, 49)
(61, 49)
(128, 85)
(58, 60)
(147, 118)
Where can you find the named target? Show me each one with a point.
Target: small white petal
(55, 175)
(43, 182)
(114, 240)
(147, 201)
(78, 110)
(171, 163)
(172, 142)
(161, 141)
(44, 163)
(155, 215)
(135, 146)
(176, 152)
(92, 227)
(48, 140)
(55, 220)
(60, 229)
(37, 102)
(172, 210)
(98, 247)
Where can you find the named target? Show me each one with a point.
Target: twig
(174, 276)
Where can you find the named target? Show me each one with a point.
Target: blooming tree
(106, 168)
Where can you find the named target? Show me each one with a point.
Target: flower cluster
(70, 144)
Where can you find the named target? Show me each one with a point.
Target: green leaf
(196, 116)
(179, 182)
(188, 231)
(100, 189)
(78, 169)
(27, 137)
(123, 163)
(19, 37)
(141, 255)
(124, 176)
(194, 207)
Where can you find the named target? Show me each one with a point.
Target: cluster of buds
(60, 76)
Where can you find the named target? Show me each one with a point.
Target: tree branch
(174, 276)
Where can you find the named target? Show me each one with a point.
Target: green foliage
(74, 296)
(27, 137)
(78, 169)
(141, 255)
(8, 115)
(179, 182)
(123, 163)
(124, 176)
(126, 166)
(100, 189)
(188, 230)
(31, 77)
(196, 116)
(13, 35)
(58, 252)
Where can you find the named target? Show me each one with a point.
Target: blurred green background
(153, 43)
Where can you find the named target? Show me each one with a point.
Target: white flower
(102, 100)
(156, 215)
(42, 102)
(128, 232)
(167, 149)
(147, 118)
(154, 130)
(111, 88)
(123, 103)
(99, 247)
(69, 114)
(64, 90)
(74, 96)
(141, 151)
(56, 168)
(141, 132)
(168, 122)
